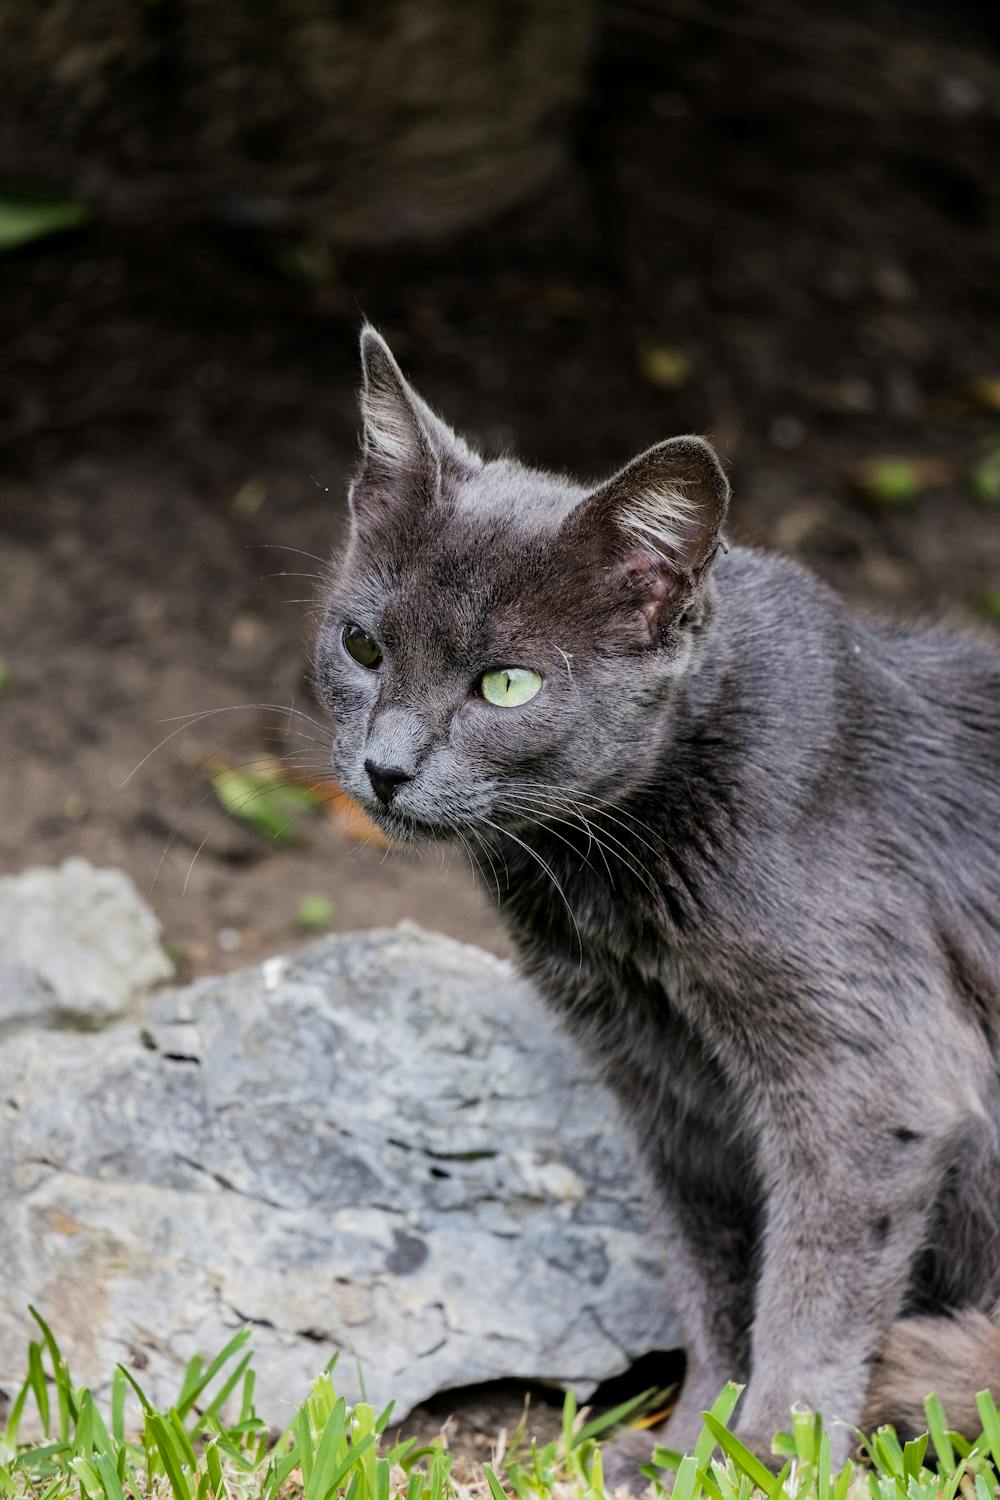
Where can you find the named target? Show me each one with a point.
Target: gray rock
(381, 1146)
(77, 946)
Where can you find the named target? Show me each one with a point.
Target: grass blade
(745, 1461)
(937, 1426)
(720, 1411)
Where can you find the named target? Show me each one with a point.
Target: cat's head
(498, 640)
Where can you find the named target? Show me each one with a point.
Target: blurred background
(582, 224)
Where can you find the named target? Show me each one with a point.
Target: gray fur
(748, 846)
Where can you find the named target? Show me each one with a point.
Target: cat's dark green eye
(359, 644)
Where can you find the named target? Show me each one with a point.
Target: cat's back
(941, 787)
(942, 685)
(897, 724)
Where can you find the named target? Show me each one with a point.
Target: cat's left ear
(656, 526)
(402, 436)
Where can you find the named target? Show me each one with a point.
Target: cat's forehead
(503, 489)
(478, 570)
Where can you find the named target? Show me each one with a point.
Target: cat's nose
(385, 780)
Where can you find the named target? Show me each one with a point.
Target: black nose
(385, 780)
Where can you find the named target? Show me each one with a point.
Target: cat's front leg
(709, 1242)
(853, 1159)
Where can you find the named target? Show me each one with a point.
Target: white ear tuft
(671, 501)
(661, 517)
(392, 430)
(653, 530)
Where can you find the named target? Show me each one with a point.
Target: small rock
(78, 946)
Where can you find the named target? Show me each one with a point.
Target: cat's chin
(399, 828)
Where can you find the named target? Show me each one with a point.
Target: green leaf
(990, 1419)
(988, 605)
(496, 1488)
(106, 1468)
(170, 1457)
(213, 1467)
(146, 1406)
(748, 1463)
(984, 479)
(937, 1426)
(118, 1404)
(23, 219)
(354, 1456)
(892, 481)
(720, 1412)
(327, 1459)
(612, 1418)
(913, 1456)
(267, 803)
(823, 1487)
(686, 1485)
(666, 1458)
(212, 1411)
(313, 914)
(90, 1480)
(13, 1427)
(36, 1375)
(806, 1433)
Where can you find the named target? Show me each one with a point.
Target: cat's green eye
(509, 687)
(359, 644)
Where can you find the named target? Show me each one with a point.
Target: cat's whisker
(233, 708)
(187, 721)
(477, 869)
(324, 562)
(548, 821)
(599, 808)
(468, 848)
(488, 854)
(621, 851)
(288, 573)
(299, 761)
(498, 828)
(191, 866)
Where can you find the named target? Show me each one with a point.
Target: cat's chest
(623, 976)
(634, 972)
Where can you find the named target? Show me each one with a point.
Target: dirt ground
(785, 238)
(780, 231)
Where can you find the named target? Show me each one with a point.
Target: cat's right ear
(404, 444)
(655, 527)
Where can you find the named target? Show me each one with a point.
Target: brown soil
(780, 230)
(787, 240)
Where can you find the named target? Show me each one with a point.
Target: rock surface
(381, 1146)
(77, 946)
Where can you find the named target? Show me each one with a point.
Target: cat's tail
(953, 1357)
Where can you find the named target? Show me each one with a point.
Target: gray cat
(748, 846)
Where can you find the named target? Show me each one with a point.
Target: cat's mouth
(403, 828)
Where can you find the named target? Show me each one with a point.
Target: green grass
(211, 1443)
